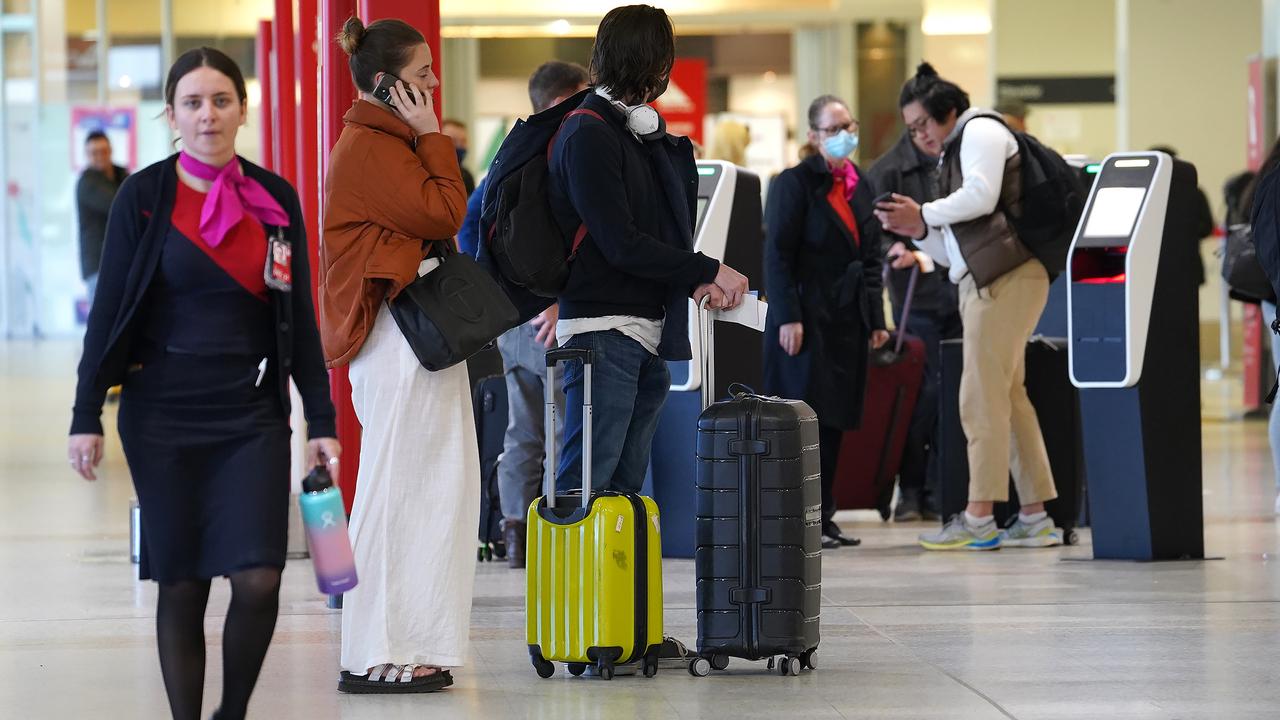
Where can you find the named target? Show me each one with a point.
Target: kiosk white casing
(1141, 260)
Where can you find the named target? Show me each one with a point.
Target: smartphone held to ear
(382, 91)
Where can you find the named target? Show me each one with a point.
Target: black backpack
(1053, 198)
(519, 233)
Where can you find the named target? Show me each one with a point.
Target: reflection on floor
(1013, 634)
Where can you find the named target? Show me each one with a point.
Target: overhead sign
(684, 103)
(1057, 90)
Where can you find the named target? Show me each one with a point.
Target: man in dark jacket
(615, 171)
(907, 169)
(95, 191)
(524, 348)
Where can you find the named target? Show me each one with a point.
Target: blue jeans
(629, 386)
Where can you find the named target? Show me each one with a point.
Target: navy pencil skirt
(209, 454)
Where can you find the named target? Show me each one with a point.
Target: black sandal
(389, 678)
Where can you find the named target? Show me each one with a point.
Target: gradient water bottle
(326, 523)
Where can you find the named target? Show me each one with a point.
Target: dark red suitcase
(871, 455)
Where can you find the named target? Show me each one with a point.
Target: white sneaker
(1039, 534)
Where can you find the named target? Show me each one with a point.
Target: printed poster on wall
(121, 127)
(685, 102)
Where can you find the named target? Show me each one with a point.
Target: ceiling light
(560, 27)
(125, 82)
(955, 23)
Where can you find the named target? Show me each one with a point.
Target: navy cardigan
(136, 230)
(637, 200)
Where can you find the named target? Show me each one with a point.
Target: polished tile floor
(1015, 634)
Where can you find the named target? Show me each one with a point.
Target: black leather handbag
(1241, 268)
(452, 312)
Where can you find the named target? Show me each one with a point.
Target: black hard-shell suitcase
(758, 560)
(1057, 405)
(489, 403)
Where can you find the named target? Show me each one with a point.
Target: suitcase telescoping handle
(906, 303)
(554, 357)
(707, 341)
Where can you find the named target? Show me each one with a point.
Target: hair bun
(924, 69)
(352, 35)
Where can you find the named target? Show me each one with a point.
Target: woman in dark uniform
(822, 275)
(204, 312)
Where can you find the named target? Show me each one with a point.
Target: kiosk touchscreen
(729, 227)
(1133, 324)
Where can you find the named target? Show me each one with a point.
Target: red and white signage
(684, 103)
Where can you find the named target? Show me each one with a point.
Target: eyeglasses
(917, 128)
(851, 126)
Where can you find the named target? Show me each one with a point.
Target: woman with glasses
(822, 272)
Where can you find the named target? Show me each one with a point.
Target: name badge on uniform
(278, 273)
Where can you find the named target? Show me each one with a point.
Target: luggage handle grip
(750, 596)
(748, 447)
(554, 357)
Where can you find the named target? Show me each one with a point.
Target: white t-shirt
(643, 330)
(984, 148)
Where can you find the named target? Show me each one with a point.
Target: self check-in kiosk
(1133, 325)
(729, 227)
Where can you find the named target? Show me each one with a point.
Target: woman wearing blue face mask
(822, 276)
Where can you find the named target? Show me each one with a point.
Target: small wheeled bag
(594, 568)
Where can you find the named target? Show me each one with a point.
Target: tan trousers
(995, 412)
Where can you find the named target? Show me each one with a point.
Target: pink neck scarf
(847, 174)
(232, 197)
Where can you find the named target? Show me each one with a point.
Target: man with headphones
(615, 170)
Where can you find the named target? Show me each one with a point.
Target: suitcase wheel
(650, 666)
(807, 659)
(545, 668)
(789, 666)
(604, 670)
(576, 669)
(700, 667)
(719, 662)
(772, 663)
(1071, 538)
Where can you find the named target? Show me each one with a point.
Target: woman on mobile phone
(394, 196)
(204, 313)
(822, 272)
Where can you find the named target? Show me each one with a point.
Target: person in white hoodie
(1003, 290)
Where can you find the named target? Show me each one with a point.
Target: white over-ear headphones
(643, 120)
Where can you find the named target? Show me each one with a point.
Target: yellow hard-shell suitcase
(594, 568)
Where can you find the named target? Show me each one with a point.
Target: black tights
(251, 620)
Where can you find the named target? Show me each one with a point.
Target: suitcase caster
(772, 663)
(789, 666)
(1071, 538)
(576, 669)
(650, 666)
(700, 667)
(604, 670)
(807, 659)
(545, 668)
(719, 662)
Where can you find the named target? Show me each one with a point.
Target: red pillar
(286, 103)
(336, 93)
(263, 60)
(308, 71)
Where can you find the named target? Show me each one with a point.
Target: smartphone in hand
(882, 198)
(382, 91)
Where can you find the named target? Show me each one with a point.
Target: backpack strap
(581, 233)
